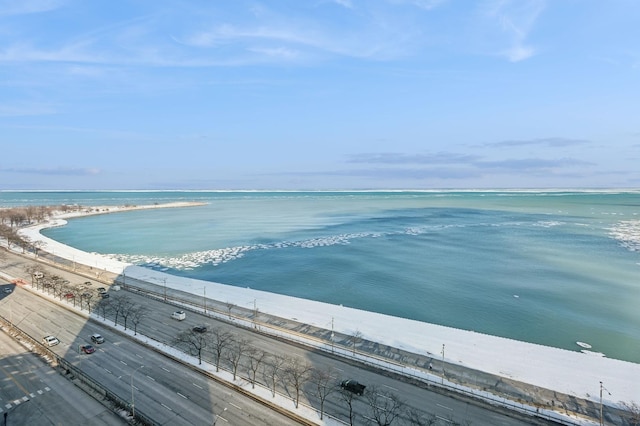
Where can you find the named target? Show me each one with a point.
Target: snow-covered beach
(572, 373)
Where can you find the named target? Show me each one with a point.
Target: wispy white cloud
(515, 19)
(25, 7)
(547, 142)
(58, 171)
(23, 109)
(422, 4)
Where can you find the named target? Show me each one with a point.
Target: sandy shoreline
(568, 372)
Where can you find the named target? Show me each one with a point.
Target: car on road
(200, 328)
(7, 290)
(50, 341)
(97, 338)
(87, 349)
(353, 386)
(178, 315)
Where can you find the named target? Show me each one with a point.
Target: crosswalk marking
(24, 399)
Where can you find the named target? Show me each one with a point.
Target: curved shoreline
(568, 372)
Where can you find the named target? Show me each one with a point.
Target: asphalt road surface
(176, 394)
(32, 393)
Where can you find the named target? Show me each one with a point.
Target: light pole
(164, 280)
(133, 405)
(601, 417)
(204, 299)
(443, 363)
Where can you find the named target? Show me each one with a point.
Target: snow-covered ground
(569, 372)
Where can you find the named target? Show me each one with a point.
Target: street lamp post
(443, 363)
(204, 299)
(133, 405)
(164, 280)
(601, 416)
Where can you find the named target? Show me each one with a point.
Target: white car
(178, 315)
(50, 341)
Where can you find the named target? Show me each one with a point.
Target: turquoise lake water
(552, 267)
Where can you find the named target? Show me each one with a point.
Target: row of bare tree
(243, 358)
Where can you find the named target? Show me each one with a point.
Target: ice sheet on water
(627, 232)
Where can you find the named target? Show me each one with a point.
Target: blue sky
(319, 94)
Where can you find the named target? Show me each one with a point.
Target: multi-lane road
(173, 393)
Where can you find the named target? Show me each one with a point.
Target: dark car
(87, 349)
(353, 386)
(200, 328)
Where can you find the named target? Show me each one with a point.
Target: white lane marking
(134, 386)
(231, 403)
(199, 387)
(390, 387)
(108, 371)
(165, 370)
(168, 408)
(123, 362)
(446, 408)
(222, 418)
(139, 356)
(182, 395)
(151, 378)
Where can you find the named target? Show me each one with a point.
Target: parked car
(200, 328)
(353, 386)
(87, 349)
(50, 341)
(102, 290)
(178, 315)
(104, 295)
(96, 338)
(69, 295)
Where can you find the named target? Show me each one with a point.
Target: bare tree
(65, 288)
(119, 302)
(323, 380)
(76, 290)
(348, 397)
(55, 282)
(137, 315)
(86, 297)
(193, 342)
(297, 374)
(37, 246)
(356, 338)
(128, 308)
(104, 306)
(633, 412)
(385, 406)
(272, 368)
(256, 357)
(220, 340)
(420, 418)
(229, 306)
(234, 353)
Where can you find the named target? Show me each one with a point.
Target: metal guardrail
(71, 372)
(309, 341)
(366, 358)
